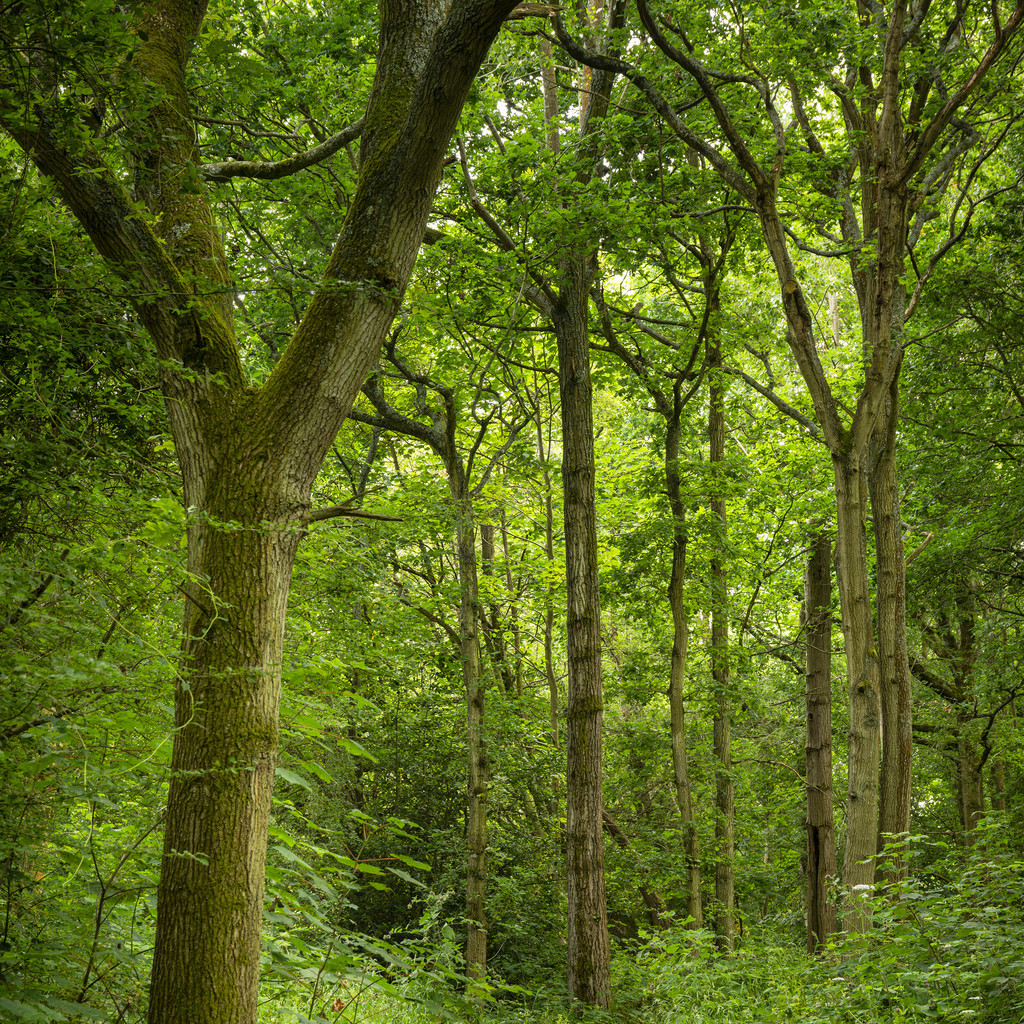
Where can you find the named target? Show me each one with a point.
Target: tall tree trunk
(894, 663)
(441, 437)
(821, 849)
(513, 612)
(210, 897)
(725, 882)
(862, 679)
(589, 977)
(652, 900)
(543, 457)
(477, 782)
(677, 677)
(997, 776)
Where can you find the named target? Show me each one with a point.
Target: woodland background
(714, 482)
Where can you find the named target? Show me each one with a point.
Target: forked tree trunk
(248, 454)
(821, 849)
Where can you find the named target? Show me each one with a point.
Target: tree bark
(821, 850)
(862, 679)
(490, 616)
(969, 780)
(652, 901)
(441, 437)
(210, 897)
(894, 663)
(477, 782)
(589, 953)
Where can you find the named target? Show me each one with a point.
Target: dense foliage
(365, 913)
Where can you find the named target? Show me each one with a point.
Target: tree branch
(271, 170)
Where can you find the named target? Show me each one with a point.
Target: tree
(899, 139)
(441, 437)
(248, 455)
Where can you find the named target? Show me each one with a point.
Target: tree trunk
(894, 662)
(589, 978)
(725, 809)
(513, 612)
(652, 901)
(997, 775)
(862, 678)
(490, 617)
(441, 437)
(477, 783)
(543, 457)
(821, 849)
(677, 677)
(210, 897)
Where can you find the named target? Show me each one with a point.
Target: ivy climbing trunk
(210, 898)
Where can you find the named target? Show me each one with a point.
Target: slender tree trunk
(543, 455)
(589, 976)
(652, 901)
(477, 782)
(862, 678)
(677, 678)
(441, 437)
(725, 883)
(490, 617)
(821, 849)
(894, 662)
(997, 776)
